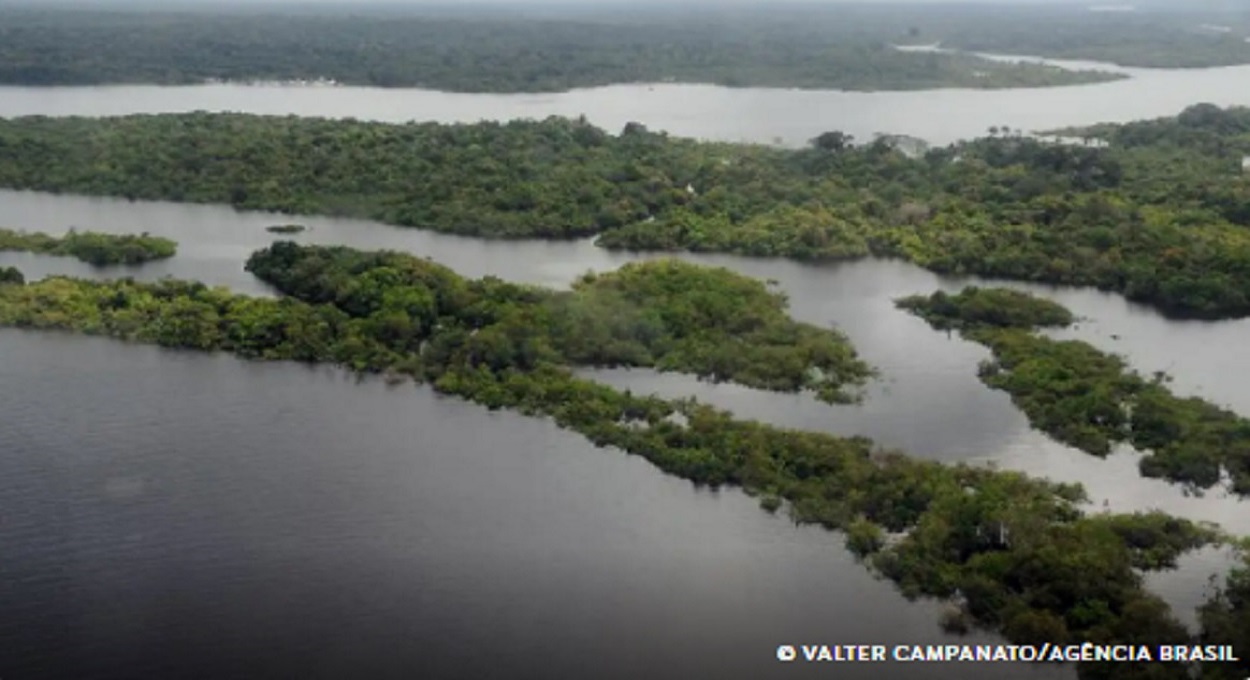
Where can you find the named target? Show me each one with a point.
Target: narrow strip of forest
(1087, 398)
(91, 247)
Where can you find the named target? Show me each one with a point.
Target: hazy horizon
(575, 7)
(1205, 4)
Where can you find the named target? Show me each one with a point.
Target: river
(928, 403)
(179, 515)
(785, 116)
(173, 515)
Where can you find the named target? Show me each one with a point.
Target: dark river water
(178, 515)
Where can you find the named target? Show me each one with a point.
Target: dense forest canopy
(662, 314)
(1161, 214)
(562, 47)
(1019, 552)
(975, 307)
(92, 247)
(1205, 127)
(1090, 399)
(486, 52)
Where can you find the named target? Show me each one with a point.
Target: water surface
(763, 115)
(927, 403)
(178, 515)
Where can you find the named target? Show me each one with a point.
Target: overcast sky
(105, 3)
(1225, 5)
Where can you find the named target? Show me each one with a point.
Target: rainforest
(387, 387)
(1024, 557)
(473, 50)
(476, 51)
(1087, 398)
(1158, 214)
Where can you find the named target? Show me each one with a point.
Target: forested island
(1159, 214)
(1089, 399)
(975, 308)
(92, 247)
(494, 50)
(663, 315)
(1019, 552)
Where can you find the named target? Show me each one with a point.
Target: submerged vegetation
(486, 52)
(1161, 215)
(1090, 399)
(1018, 552)
(92, 247)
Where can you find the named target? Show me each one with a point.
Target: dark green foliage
(1019, 549)
(1225, 620)
(707, 321)
(996, 307)
(11, 275)
(483, 53)
(1156, 539)
(1162, 219)
(665, 314)
(1090, 400)
(92, 247)
(556, 178)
